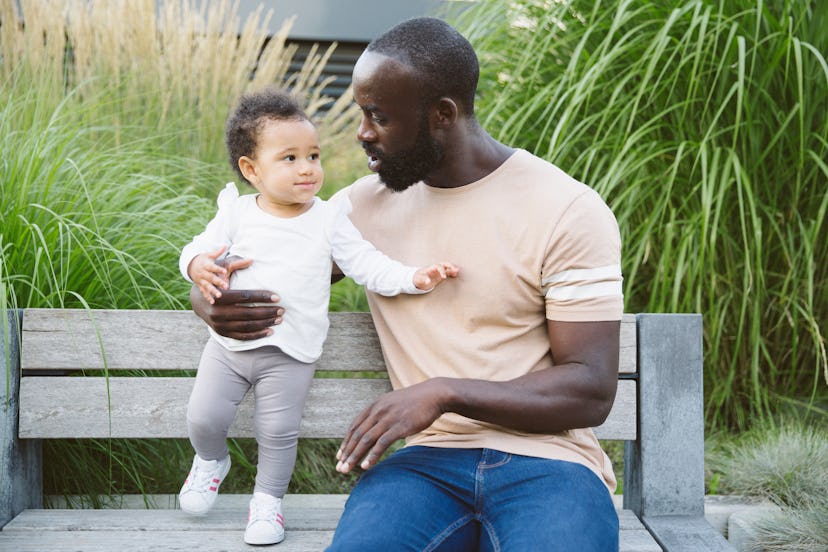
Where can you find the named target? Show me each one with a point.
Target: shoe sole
(264, 542)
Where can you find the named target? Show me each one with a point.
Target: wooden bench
(657, 412)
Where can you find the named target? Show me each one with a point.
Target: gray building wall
(350, 23)
(343, 20)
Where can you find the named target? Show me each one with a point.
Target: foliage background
(703, 125)
(111, 128)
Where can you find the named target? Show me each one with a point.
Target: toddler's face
(288, 167)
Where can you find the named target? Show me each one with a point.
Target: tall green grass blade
(704, 126)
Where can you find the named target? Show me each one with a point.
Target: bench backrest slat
(58, 408)
(75, 339)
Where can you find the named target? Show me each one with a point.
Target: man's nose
(365, 132)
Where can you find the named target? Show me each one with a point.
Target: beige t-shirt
(532, 243)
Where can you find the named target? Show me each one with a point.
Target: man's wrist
(446, 392)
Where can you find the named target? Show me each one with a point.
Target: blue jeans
(457, 500)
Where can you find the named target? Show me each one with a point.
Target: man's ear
(248, 168)
(445, 113)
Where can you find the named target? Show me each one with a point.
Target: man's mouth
(374, 163)
(374, 159)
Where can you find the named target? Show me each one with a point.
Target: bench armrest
(686, 534)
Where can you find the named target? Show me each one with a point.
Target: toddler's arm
(207, 275)
(362, 261)
(429, 277)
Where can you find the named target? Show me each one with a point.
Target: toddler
(293, 237)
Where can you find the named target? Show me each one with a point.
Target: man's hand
(231, 315)
(393, 416)
(238, 313)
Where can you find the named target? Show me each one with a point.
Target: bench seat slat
(308, 529)
(220, 518)
(154, 541)
(637, 540)
(72, 339)
(77, 407)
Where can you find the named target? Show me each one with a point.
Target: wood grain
(77, 339)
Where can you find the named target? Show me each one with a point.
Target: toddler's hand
(429, 277)
(208, 276)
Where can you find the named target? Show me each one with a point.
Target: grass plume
(111, 123)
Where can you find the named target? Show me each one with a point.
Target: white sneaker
(198, 494)
(265, 524)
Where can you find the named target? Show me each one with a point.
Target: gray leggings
(280, 384)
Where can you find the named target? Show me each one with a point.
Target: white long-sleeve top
(293, 257)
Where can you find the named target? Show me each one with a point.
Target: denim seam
(491, 532)
(506, 459)
(478, 498)
(445, 533)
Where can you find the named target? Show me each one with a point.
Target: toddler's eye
(314, 156)
(290, 158)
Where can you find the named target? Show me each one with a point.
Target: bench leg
(21, 481)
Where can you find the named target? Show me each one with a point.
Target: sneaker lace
(261, 511)
(201, 478)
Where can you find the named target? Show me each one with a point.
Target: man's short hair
(241, 133)
(442, 57)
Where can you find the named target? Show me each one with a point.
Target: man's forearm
(578, 391)
(548, 401)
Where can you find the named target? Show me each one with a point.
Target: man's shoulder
(541, 183)
(540, 169)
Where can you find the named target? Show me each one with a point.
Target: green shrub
(786, 463)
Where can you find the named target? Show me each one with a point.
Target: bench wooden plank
(77, 407)
(221, 529)
(686, 534)
(224, 501)
(72, 339)
(154, 541)
(175, 541)
(323, 517)
(218, 519)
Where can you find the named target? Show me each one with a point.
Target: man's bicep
(594, 344)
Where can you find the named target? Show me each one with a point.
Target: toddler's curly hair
(251, 112)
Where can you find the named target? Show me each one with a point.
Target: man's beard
(401, 170)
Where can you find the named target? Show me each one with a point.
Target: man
(497, 378)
